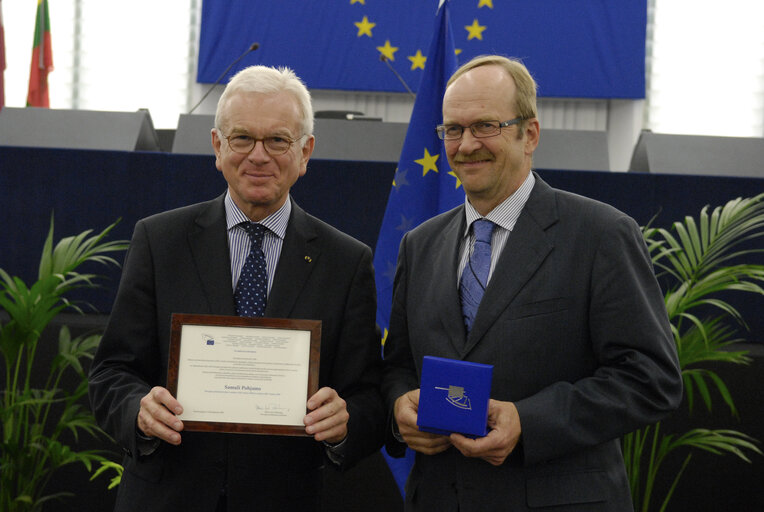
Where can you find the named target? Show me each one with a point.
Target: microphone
(252, 47)
(387, 61)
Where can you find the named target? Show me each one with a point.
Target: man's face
(259, 182)
(492, 168)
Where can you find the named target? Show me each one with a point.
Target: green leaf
(107, 465)
(701, 262)
(34, 418)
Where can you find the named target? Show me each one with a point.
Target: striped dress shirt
(239, 243)
(504, 216)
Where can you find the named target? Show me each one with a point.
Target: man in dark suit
(189, 260)
(571, 318)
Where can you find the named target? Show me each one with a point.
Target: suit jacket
(179, 261)
(575, 325)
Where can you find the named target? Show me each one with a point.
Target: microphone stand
(387, 61)
(252, 47)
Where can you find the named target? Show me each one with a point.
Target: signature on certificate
(272, 409)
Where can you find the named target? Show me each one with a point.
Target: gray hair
(264, 79)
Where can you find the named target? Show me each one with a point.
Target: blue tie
(252, 289)
(475, 274)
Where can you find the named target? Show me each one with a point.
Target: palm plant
(703, 263)
(35, 419)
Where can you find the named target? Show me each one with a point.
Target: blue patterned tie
(252, 289)
(475, 274)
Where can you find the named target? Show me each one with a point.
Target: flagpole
(422, 187)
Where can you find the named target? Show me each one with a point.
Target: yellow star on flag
(475, 30)
(458, 181)
(364, 27)
(362, 2)
(417, 61)
(388, 50)
(428, 162)
(481, 3)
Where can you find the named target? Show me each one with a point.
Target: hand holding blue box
(453, 396)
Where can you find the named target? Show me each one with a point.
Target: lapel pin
(308, 259)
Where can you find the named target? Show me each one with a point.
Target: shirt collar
(275, 222)
(507, 212)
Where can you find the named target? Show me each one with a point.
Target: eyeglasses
(274, 145)
(480, 129)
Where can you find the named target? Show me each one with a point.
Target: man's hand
(328, 419)
(157, 416)
(405, 411)
(502, 439)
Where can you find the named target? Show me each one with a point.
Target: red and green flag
(42, 59)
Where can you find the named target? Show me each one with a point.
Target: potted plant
(702, 262)
(37, 420)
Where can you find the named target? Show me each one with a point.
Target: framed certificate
(243, 375)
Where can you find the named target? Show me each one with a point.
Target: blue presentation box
(453, 396)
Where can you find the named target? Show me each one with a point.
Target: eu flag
(424, 185)
(584, 49)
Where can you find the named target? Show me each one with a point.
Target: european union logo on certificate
(453, 396)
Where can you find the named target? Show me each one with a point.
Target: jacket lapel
(208, 243)
(299, 256)
(527, 247)
(445, 263)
